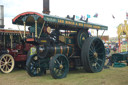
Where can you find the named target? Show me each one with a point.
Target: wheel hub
(61, 66)
(35, 58)
(6, 63)
(95, 54)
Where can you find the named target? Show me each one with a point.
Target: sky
(62, 8)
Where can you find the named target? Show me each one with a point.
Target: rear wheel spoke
(9, 64)
(100, 60)
(99, 48)
(2, 66)
(4, 59)
(6, 68)
(100, 53)
(92, 48)
(9, 59)
(2, 62)
(91, 51)
(97, 44)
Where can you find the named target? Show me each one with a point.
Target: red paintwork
(30, 39)
(18, 52)
(6, 31)
(27, 46)
(20, 58)
(25, 13)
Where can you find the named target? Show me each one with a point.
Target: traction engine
(60, 43)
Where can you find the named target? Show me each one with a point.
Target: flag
(84, 17)
(126, 15)
(88, 16)
(89, 33)
(77, 17)
(113, 16)
(96, 15)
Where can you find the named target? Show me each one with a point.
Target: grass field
(111, 76)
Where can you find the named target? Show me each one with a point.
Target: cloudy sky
(62, 8)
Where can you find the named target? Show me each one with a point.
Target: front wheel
(59, 66)
(33, 66)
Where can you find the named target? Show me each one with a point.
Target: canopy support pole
(36, 28)
(41, 29)
(20, 32)
(97, 33)
(102, 34)
(24, 29)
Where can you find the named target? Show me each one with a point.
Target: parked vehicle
(13, 52)
(53, 49)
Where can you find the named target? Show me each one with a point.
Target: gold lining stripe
(43, 41)
(69, 37)
(61, 49)
(55, 50)
(24, 29)
(71, 45)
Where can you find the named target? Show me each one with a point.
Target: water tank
(1, 16)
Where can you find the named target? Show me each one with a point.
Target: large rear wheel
(93, 55)
(6, 63)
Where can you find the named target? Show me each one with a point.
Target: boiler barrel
(61, 49)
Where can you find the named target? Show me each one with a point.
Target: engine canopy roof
(30, 17)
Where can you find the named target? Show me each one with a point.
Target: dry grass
(112, 76)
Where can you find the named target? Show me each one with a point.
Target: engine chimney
(46, 7)
(1, 16)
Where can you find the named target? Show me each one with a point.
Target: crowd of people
(109, 50)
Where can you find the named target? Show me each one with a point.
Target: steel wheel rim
(60, 66)
(96, 55)
(82, 35)
(6, 63)
(34, 67)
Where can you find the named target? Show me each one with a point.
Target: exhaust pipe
(1, 16)
(46, 7)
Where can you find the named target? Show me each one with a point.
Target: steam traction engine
(60, 43)
(14, 58)
(13, 52)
